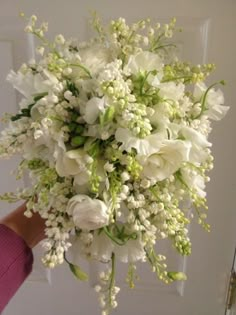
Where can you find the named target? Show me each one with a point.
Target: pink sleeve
(16, 260)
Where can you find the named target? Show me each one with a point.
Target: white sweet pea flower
(199, 143)
(88, 213)
(143, 61)
(92, 109)
(214, 101)
(29, 84)
(162, 164)
(171, 90)
(145, 146)
(73, 163)
(102, 248)
(194, 181)
(160, 117)
(132, 251)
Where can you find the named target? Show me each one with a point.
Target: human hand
(30, 229)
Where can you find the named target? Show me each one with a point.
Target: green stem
(203, 98)
(113, 261)
(114, 239)
(83, 68)
(112, 278)
(163, 46)
(143, 82)
(188, 78)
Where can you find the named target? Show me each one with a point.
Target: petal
(92, 109)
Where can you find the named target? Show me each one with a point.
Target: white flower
(73, 163)
(125, 176)
(109, 167)
(102, 248)
(88, 213)
(214, 101)
(95, 58)
(92, 109)
(132, 251)
(171, 90)
(166, 161)
(29, 84)
(144, 61)
(194, 181)
(160, 116)
(199, 143)
(59, 39)
(145, 146)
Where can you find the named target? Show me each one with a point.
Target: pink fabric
(16, 260)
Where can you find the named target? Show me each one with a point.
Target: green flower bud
(79, 129)
(176, 276)
(78, 141)
(107, 116)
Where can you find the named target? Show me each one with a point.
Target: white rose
(88, 213)
(214, 101)
(166, 161)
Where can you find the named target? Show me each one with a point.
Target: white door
(208, 36)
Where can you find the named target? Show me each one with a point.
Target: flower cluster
(114, 135)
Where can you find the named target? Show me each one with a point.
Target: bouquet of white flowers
(114, 135)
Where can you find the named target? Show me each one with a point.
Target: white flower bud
(67, 71)
(125, 176)
(60, 39)
(40, 50)
(68, 95)
(38, 134)
(109, 167)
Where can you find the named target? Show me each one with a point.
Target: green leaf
(79, 274)
(176, 276)
(38, 97)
